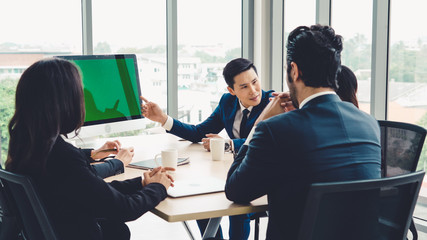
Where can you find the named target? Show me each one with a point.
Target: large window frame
(379, 64)
(256, 14)
(380, 46)
(172, 43)
(265, 18)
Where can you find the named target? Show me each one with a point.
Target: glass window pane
(293, 18)
(31, 30)
(356, 30)
(139, 27)
(209, 36)
(407, 92)
(407, 98)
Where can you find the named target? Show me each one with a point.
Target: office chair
(31, 212)
(353, 209)
(401, 146)
(9, 227)
(256, 217)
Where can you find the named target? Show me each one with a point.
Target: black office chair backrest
(401, 146)
(9, 227)
(35, 221)
(353, 209)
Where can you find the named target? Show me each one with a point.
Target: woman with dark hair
(49, 103)
(347, 86)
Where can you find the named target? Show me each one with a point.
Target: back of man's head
(234, 68)
(317, 52)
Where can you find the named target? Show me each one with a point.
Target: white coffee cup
(169, 158)
(217, 148)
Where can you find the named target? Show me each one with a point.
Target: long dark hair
(49, 102)
(347, 86)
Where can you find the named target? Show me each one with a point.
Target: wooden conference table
(212, 205)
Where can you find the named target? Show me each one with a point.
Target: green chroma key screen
(111, 87)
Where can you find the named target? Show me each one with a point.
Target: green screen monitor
(111, 91)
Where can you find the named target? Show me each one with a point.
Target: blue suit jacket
(222, 117)
(327, 140)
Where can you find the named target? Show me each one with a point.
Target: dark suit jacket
(107, 168)
(75, 197)
(327, 140)
(222, 117)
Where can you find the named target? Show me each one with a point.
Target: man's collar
(243, 107)
(314, 96)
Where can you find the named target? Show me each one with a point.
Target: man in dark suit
(324, 140)
(236, 112)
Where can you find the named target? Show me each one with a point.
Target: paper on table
(150, 163)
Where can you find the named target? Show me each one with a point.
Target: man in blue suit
(324, 140)
(236, 112)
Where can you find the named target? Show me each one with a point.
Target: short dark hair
(347, 85)
(234, 68)
(317, 52)
(49, 101)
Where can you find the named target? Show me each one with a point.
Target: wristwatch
(227, 146)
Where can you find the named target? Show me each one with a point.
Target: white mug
(169, 158)
(217, 148)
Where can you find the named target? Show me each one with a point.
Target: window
(138, 27)
(293, 18)
(29, 35)
(357, 33)
(206, 42)
(407, 98)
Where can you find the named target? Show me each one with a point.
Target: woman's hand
(125, 155)
(158, 175)
(110, 147)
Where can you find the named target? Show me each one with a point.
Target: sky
(26, 21)
(140, 23)
(198, 21)
(125, 23)
(350, 17)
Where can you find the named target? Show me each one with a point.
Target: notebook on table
(150, 163)
(192, 187)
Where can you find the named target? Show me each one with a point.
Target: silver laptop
(191, 187)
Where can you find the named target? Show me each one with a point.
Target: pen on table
(109, 150)
(105, 150)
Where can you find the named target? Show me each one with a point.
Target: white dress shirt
(236, 125)
(238, 119)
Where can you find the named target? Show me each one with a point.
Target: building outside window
(206, 42)
(44, 33)
(135, 27)
(407, 82)
(293, 18)
(357, 33)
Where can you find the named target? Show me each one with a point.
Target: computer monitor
(111, 92)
